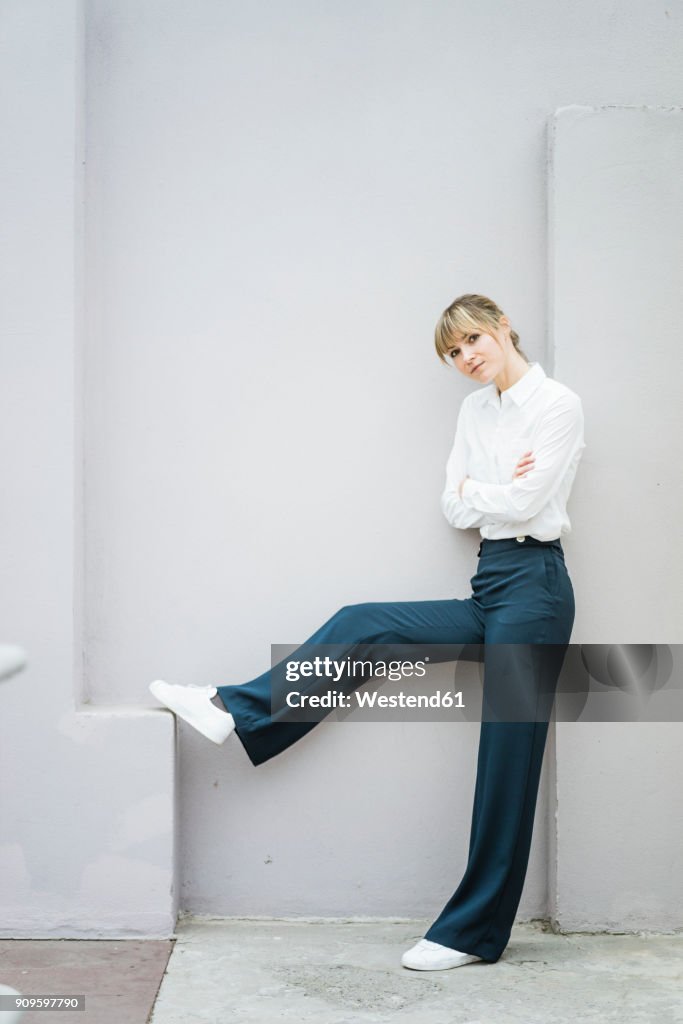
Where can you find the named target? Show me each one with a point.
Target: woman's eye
(472, 336)
(454, 352)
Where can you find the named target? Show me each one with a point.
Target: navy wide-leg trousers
(521, 595)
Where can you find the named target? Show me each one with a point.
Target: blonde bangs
(454, 323)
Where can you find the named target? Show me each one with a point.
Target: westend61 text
(337, 699)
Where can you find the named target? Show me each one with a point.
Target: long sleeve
(455, 511)
(559, 438)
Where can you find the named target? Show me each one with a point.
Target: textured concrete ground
(260, 972)
(338, 973)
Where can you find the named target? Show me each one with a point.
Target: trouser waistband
(516, 543)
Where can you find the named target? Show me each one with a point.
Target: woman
(517, 446)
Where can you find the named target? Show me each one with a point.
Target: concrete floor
(339, 972)
(342, 972)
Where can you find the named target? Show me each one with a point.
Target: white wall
(617, 245)
(279, 201)
(87, 793)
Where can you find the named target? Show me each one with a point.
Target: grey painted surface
(276, 217)
(617, 243)
(249, 430)
(86, 792)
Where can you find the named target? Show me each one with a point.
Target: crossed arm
(467, 502)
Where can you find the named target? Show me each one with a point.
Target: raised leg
(366, 631)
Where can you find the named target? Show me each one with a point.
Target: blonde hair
(464, 315)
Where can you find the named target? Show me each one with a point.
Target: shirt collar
(522, 389)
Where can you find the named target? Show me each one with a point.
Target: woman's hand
(524, 465)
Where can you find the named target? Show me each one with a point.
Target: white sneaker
(193, 705)
(430, 956)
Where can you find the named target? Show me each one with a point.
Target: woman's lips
(477, 367)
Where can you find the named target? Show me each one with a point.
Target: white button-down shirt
(494, 430)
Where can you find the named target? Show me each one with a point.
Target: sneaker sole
(441, 966)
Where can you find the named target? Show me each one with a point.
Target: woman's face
(478, 355)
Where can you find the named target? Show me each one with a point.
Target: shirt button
(520, 540)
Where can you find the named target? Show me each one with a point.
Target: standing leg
(478, 918)
(265, 732)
